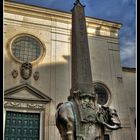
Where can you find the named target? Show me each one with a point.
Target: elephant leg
(70, 135)
(70, 131)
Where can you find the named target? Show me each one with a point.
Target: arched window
(26, 48)
(102, 92)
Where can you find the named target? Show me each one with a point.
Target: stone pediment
(26, 92)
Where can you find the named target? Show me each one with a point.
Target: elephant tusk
(113, 127)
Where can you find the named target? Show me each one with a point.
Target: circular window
(102, 92)
(26, 48)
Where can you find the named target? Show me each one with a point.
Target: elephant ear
(102, 115)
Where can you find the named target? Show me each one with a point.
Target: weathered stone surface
(53, 29)
(81, 69)
(81, 118)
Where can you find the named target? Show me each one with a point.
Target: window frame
(107, 91)
(42, 48)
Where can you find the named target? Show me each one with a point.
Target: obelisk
(81, 117)
(81, 69)
(82, 89)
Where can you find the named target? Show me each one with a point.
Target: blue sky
(123, 11)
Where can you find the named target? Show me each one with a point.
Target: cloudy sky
(123, 11)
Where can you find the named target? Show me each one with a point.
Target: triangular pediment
(26, 92)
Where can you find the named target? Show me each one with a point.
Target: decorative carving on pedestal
(82, 118)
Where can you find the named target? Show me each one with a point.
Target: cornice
(127, 69)
(45, 13)
(32, 90)
(34, 11)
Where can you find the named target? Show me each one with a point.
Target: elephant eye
(114, 114)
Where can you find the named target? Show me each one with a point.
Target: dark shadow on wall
(54, 78)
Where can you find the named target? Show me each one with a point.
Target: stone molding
(41, 97)
(39, 12)
(18, 104)
(30, 64)
(14, 73)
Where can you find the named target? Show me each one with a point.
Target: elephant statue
(111, 119)
(101, 117)
(65, 120)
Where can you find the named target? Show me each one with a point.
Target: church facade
(37, 72)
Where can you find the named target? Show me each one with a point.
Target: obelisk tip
(78, 1)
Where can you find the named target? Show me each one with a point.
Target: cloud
(129, 51)
(128, 54)
(126, 1)
(123, 11)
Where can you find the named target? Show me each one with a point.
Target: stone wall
(53, 29)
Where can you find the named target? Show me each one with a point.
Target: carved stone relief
(36, 75)
(26, 70)
(14, 73)
(14, 104)
(24, 105)
(34, 105)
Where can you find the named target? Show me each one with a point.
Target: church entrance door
(22, 126)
